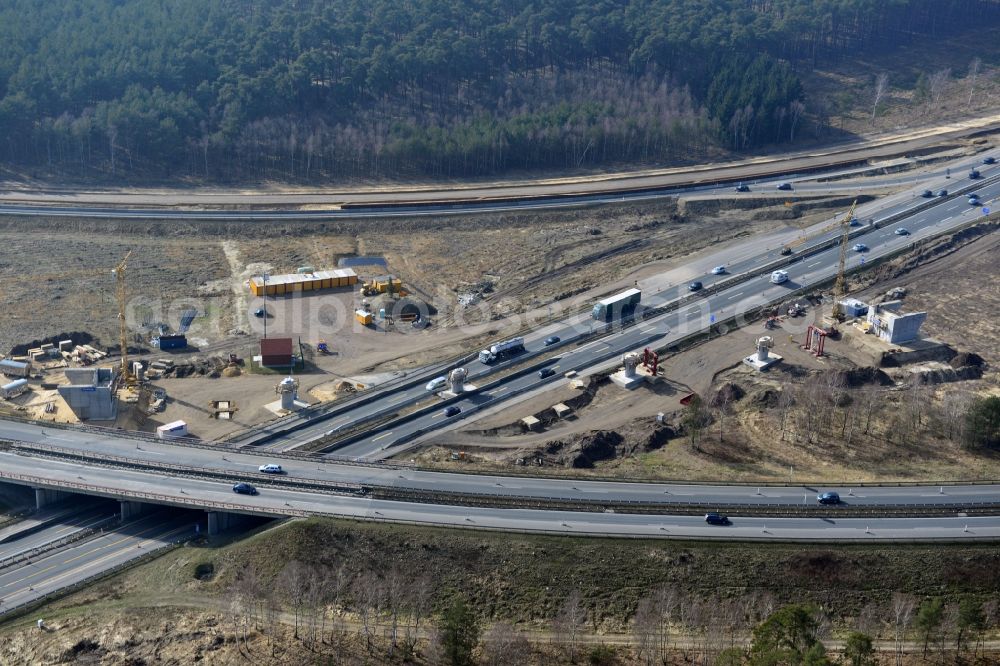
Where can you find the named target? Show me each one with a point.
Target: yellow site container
(364, 318)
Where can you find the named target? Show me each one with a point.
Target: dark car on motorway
(974, 174)
(901, 232)
(242, 488)
(784, 186)
(742, 187)
(927, 194)
(785, 251)
(828, 498)
(989, 160)
(546, 372)
(551, 340)
(714, 518)
(942, 193)
(452, 410)
(695, 286)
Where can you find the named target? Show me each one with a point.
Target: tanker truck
(502, 350)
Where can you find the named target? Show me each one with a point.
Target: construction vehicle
(383, 284)
(502, 350)
(840, 285)
(322, 347)
(796, 310)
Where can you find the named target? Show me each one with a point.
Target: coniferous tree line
(318, 89)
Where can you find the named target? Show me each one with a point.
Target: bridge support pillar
(46, 496)
(130, 509)
(220, 521)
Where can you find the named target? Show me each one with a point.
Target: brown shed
(276, 352)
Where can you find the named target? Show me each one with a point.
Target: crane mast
(840, 285)
(122, 296)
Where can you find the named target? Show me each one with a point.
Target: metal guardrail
(25, 606)
(189, 471)
(495, 500)
(117, 493)
(31, 554)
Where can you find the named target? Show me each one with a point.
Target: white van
(777, 277)
(437, 383)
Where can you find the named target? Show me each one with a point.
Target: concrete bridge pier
(130, 509)
(47, 496)
(220, 521)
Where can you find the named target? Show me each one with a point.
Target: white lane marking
(382, 436)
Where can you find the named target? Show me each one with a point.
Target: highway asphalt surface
(243, 466)
(53, 569)
(80, 521)
(78, 562)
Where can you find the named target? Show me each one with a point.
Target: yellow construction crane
(840, 285)
(120, 291)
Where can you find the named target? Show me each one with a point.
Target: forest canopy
(313, 90)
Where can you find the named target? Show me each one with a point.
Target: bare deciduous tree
(974, 67)
(795, 111)
(903, 606)
(881, 86)
(503, 644)
(569, 622)
(937, 82)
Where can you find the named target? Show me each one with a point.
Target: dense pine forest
(312, 90)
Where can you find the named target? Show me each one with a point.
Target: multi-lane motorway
(77, 562)
(929, 217)
(141, 469)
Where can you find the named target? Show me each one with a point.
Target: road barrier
(33, 553)
(397, 492)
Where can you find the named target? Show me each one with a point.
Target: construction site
(296, 320)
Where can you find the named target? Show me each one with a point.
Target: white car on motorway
(436, 384)
(270, 468)
(719, 270)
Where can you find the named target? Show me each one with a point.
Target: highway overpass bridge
(139, 472)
